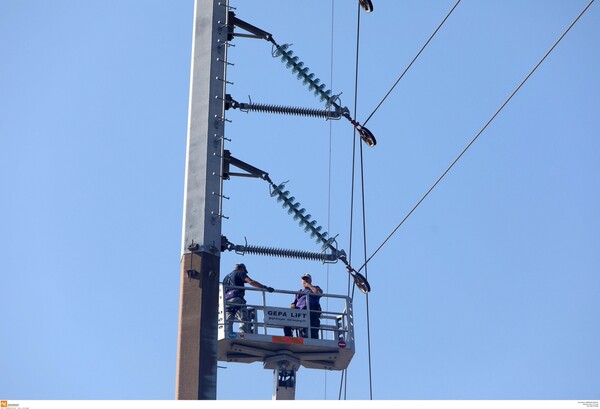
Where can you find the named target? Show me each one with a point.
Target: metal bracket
(192, 273)
(256, 32)
(253, 172)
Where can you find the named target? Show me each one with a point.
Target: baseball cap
(241, 266)
(306, 275)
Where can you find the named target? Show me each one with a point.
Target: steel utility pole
(201, 241)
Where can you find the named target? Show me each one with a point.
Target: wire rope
(412, 62)
(350, 287)
(364, 225)
(345, 373)
(331, 44)
(362, 192)
(478, 134)
(344, 379)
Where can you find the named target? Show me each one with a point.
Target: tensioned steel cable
(331, 43)
(350, 291)
(364, 225)
(364, 222)
(363, 184)
(412, 62)
(479, 133)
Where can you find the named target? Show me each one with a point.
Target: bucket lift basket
(263, 341)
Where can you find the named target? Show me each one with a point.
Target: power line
(478, 134)
(331, 44)
(362, 178)
(364, 225)
(412, 62)
(364, 222)
(344, 378)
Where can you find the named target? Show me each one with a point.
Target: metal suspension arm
(252, 171)
(256, 32)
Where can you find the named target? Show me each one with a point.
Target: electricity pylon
(201, 241)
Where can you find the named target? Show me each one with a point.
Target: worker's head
(240, 267)
(306, 277)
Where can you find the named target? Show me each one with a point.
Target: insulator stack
(303, 73)
(286, 110)
(314, 84)
(308, 78)
(277, 252)
(304, 220)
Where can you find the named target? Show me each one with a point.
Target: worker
(234, 297)
(313, 293)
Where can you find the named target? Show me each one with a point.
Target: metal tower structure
(201, 336)
(201, 236)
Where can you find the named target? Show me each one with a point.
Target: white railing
(336, 315)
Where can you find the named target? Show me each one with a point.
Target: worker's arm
(315, 289)
(256, 284)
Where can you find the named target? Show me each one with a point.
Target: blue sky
(489, 290)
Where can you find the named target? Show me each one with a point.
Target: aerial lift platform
(265, 342)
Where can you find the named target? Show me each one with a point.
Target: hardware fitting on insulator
(364, 133)
(367, 5)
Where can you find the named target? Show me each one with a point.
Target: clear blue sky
(488, 291)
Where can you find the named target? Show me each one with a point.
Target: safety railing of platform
(336, 315)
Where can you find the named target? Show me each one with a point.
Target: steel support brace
(285, 382)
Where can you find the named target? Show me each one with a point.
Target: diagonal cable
(350, 291)
(412, 62)
(478, 134)
(329, 172)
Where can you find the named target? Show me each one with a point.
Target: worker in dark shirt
(234, 297)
